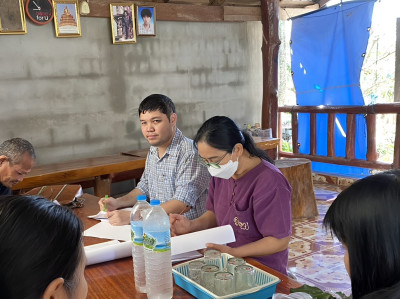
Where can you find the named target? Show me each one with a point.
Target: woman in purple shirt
(247, 191)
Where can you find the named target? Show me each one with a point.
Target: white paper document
(197, 240)
(108, 251)
(105, 230)
(182, 247)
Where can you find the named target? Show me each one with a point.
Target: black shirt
(5, 190)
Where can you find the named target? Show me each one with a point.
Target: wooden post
(350, 136)
(313, 134)
(270, 48)
(102, 185)
(372, 154)
(295, 133)
(331, 134)
(396, 154)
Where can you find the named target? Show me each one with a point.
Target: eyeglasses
(212, 164)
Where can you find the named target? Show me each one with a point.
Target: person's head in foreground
(158, 119)
(41, 250)
(17, 157)
(222, 145)
(366, 219)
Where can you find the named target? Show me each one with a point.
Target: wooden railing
(351, 111)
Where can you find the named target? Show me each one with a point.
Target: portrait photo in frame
(67, 21)
(12, 17)
(122, 23)
(146, 20)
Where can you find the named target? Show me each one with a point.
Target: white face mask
(225, 171)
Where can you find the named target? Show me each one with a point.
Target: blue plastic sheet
(328, 48)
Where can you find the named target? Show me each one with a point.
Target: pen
(183, 211)
(105, 205)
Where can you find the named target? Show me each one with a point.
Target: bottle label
(137, 233)
(157, 241)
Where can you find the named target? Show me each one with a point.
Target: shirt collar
(172, 149)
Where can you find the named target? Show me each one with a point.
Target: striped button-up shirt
(178, 174)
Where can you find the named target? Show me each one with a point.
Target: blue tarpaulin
(328, 48)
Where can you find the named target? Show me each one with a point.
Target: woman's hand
(222, 248)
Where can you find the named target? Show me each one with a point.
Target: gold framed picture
(67, 21)
(146, 20)
(12, 17)
(122, 23)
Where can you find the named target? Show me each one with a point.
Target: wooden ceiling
(208, 10)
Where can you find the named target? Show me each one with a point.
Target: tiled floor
(314, 257)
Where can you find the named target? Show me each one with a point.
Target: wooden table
(104, 170)
(100, 169)
(114, 279)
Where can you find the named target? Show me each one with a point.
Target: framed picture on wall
(146, 20)
(122, 23)
(12, 17)
(66, 18)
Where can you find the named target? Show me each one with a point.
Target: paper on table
(182, 247)
(112, 250)
(107, 251)
(105, 230)
(197, 240)
(185, 256)
(102, 215)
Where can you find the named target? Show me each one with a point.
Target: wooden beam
(270, 48)
(243, 3)
(241, 14)
(165, 11)
(339, 160)
(217, 2)
(385, 108)
(295, 4)
(287, 13)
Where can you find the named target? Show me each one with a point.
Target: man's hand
(108, 204)
(119, 217)
(179, 224)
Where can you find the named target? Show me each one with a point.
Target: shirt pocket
(244, 225)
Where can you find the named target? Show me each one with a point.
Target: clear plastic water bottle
(157, 253)
(139, 211)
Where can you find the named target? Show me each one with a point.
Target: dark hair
(14, 148)
(223, 133)
(156, 102)
(39, 242)
(146, 13)
(365, 217)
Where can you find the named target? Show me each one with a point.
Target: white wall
(78, 97)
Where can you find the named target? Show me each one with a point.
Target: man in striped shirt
(173, 172)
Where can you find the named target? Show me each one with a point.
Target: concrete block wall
(78, 97)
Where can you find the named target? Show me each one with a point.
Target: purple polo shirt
(257, 205)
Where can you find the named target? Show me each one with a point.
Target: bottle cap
(155, 202)
(141, 197)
